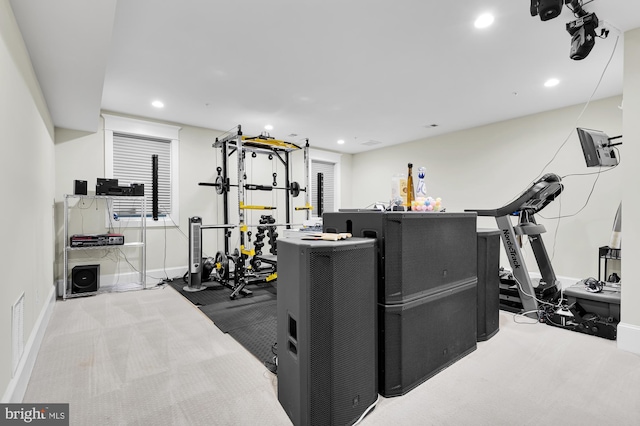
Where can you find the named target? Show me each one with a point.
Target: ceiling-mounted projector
(583, 36)
(547, 9)
(582, 30)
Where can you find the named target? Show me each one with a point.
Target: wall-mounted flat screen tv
(597, 148)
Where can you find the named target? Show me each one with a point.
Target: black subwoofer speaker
(85, 279)
(327, 361)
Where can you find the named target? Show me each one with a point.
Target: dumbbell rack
(240, 144)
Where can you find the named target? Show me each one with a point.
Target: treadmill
(539, 194)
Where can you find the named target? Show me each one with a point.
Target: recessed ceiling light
(268, 127)
(483, 21)
(157, 104)
(551, 82)
(341, 142)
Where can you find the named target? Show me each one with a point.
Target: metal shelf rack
(139, 244)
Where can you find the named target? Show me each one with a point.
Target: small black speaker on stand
(85, 279)
(80, 187)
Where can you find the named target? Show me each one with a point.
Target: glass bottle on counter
(411, 195)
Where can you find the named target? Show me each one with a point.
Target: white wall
(486, 167)
(346, 177)
(629, 329)
(27, 173)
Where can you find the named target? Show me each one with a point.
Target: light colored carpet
(151, 358)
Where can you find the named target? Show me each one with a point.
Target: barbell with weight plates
(220, 186)
(294, 189)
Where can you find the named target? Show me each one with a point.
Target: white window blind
(132, 164)
(328, 172)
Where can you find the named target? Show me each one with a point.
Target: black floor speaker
(488, 284)
(427, 278)
(419, 339)
(327, 361)
(418, 252)
(85, 279)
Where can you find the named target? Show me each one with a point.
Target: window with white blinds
(129, 145)
(328, 173)
(132, 164)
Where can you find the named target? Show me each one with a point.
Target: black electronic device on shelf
(80, 187)
(111, 187)
(94, 240)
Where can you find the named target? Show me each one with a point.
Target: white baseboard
(156, 276)
(629, 337)
(18, 385)
(153, 278)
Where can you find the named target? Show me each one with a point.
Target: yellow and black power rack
(247, 261)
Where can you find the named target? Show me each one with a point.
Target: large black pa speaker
(419, 339)
(85, 279)
(488, 284)
(427, 284)
(327, 361)
(418, 252)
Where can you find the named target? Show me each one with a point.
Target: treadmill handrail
(535, 198)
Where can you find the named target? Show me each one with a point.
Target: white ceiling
(357, 70)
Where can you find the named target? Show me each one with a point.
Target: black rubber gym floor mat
(208, 296)
(217, 293)
(259, 339)
(250, 320)
(232, 317)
